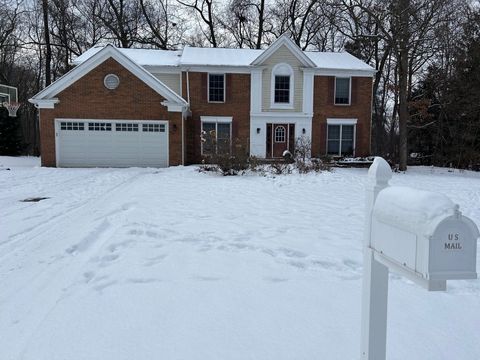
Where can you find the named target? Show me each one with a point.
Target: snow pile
(18, 161)
(411, 208)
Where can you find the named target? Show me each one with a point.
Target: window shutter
(204, 86)
(331, 90)
(354, 91)
(228, 87)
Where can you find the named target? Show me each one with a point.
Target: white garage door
(111, 143)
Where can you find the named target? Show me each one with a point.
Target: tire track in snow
(47, 286)
(68, 221)
(46, 226)
(73, 182)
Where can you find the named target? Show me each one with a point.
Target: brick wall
(88, 98)
(360, 109)
(236, 105)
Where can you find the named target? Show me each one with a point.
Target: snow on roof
(219, 56)
(144, 57)
(191, 56)
(337, 60)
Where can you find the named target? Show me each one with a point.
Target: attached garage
(111, 143)
(111, 112)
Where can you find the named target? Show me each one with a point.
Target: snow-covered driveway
(173, 264)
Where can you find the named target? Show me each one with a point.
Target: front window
(342, 91)
(340, 140)
(282, 86)
(216, 87)
(216, 138)
(282, 89)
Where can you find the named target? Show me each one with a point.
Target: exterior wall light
(258, 130)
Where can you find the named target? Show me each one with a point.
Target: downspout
(183, 139)
(183, 118)
(188, 89)
(371, 122)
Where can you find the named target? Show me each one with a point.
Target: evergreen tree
(10, 143)
(446, 113)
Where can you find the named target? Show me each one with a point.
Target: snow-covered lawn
(173, 264)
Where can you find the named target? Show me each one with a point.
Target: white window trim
(224, 88)
(349, 90)
(217, 120)
(105, 81)
(273, 104)
(342, 122)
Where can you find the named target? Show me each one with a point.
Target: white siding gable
(282, 55)
(172, 80)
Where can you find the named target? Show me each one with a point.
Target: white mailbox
(424, 232)
(419, 234)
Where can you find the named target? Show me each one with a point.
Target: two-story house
(143, 107)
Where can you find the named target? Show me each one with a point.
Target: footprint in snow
(155, 260)
(276, 279)
(104, 285)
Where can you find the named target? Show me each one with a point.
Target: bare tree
(246, 21)
(301, 18)
(404, 34)
(122, 19)
(10, 22)
(164, 25)
(204, 9)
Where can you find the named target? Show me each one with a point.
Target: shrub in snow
(236, 161)
(313, 165)
(303, 148)
(225, 160)
(280, 168)
(303, 157)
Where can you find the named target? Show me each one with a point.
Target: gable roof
(284, 40)
(96, 59)
(140, 56)
(194, 56)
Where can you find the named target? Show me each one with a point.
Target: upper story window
(342, 91)
(282, 86)
(216, 87)
(282, 89)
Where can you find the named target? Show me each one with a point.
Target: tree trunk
(48, 50)
(403, 83)
(261, 19)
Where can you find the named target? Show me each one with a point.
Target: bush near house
(238, 162)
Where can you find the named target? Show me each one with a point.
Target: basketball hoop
(12, 108)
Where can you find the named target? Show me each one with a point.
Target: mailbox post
(418, 234)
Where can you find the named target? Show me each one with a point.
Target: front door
(280, 137)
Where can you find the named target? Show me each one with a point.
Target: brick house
(141, 107)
